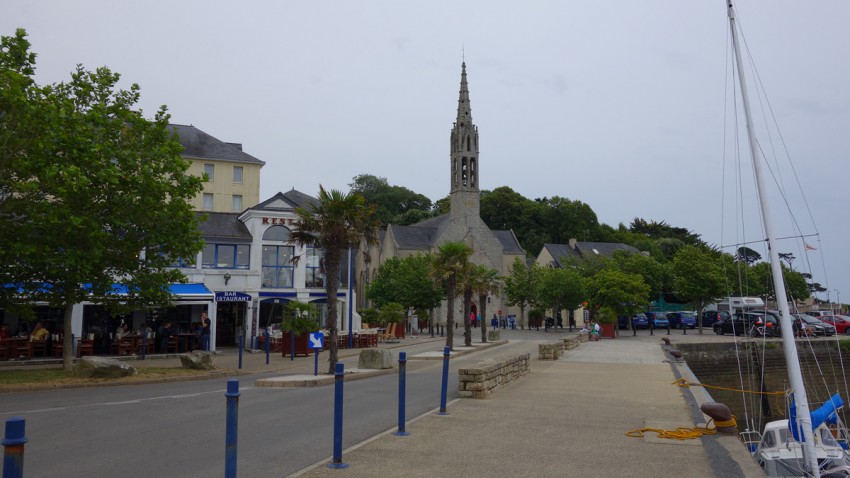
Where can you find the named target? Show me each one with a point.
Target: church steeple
(464, 143)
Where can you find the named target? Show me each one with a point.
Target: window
(184, 263)
(208, 201)
(277, 266)
(276, 233)
(226, 256)
(315, 268)
(237, 174)
(209, 170)
(237, 203)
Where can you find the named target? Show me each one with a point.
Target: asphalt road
(178, 429)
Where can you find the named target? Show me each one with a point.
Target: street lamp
(227, 277)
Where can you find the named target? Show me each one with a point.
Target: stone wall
(762, 364)
(573, 341)
(550, 350)
(481, 379)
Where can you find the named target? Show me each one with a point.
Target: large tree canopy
(395, 204)
(406, 281)
(91, 192)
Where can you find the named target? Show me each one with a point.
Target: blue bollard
(291, 346)
(402, 383)
(339, 380)
(241, 346)
(446, 353)
(316, 364)
(231, 434)
(13, 444)
(268, 345)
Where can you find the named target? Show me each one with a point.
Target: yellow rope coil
(683, 433)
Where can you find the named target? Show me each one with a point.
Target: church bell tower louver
(464, 193)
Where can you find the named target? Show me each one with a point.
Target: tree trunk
(450, 313)
(482, 305)
(522, 317)
(467, 321)
(332, 272)
(68, 340)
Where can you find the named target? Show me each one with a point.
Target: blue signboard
(317, 340)
(232, 296)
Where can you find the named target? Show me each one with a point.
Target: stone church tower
(465, 196)
(495, 249)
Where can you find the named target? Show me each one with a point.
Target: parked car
(679, 320)
(742, 323)
(840, 322)
(709, 317)
(817, 313)
(658, 319)
(818, 327)
(640, 321)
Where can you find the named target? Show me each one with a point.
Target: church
(494, 249)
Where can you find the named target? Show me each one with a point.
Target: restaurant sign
(232, 296)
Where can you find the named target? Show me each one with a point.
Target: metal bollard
(446, 354)
(339, 381)
(402, 384)
(231, 433)
(268, 345)
(291, 345)
(241, 346)
(13, 444)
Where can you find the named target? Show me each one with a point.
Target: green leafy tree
(697, 278)
(561, 289)
(747, 255)
(337, 223)
(447, 264)
(654, 274)
(395, 204)
(521, 287)
(92, 193)
(624, 293)
(407, 282)
(761, 283)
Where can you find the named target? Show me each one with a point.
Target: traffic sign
(317, 340)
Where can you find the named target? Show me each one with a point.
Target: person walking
(205, 331)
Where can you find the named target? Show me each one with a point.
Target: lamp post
(227, 277)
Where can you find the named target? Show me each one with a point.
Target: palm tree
(338, 222)
(487, 280)
(446, 264)
(466, 279)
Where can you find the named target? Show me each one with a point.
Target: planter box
(609, 330)
(302, 344)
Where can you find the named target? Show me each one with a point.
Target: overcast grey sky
(619, 104)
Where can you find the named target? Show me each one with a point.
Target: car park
(640, 321)
(679, 320)
(742, 323)
(840, 322)
(659, 320)
(709, 317)
(819, 328)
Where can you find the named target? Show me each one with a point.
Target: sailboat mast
(795, 376)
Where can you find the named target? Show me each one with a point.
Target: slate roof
(510, 244)
(586, 249)
(287, 201)
(414, 237)
(224, 225)
(200, 145)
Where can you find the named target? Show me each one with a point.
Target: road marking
(125, 402)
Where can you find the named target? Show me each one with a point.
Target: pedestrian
(205, 331)
(494, 322)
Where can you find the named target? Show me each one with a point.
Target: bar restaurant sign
(232, 296)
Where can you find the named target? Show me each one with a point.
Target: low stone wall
(550, 350)
(574, 341)
(481, 379)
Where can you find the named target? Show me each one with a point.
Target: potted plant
(299, 320)
(393, 313)
(607, 318)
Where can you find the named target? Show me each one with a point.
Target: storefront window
(315, 268)
(277, 266)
